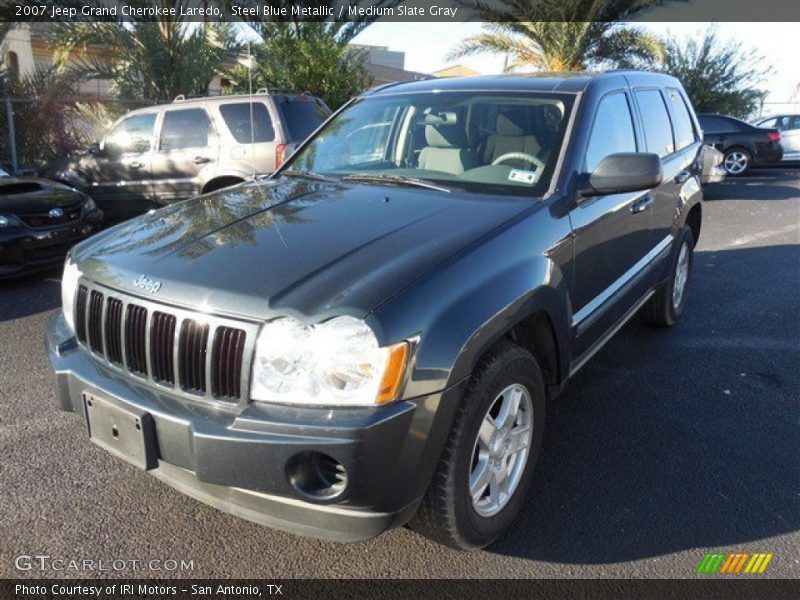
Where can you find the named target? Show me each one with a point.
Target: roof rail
(262, 91)
(179, 98)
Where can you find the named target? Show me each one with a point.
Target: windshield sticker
(522, 176)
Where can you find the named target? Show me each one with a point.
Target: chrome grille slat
(199, 356)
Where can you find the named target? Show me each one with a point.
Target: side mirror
(623, 172)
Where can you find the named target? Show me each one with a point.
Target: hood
(292, 246)
(24, 195)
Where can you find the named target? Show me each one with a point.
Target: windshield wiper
(395, 179)
(306, 175)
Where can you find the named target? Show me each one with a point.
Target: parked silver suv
(161, 154)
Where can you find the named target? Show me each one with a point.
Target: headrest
(514, 123)
(442, 130)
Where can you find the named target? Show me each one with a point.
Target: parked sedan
(743, 145)
(39, 221)
(789, 126)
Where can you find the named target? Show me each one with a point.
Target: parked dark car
(743, 145)
(39, 221)
(157, 155)
(370, 336)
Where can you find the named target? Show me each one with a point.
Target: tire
(666, 306)
(737, 161)
(448, 514)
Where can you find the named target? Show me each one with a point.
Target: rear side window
(714, 124)
(684, 130)
(244, 130)
(655, 118)
(612, 130)
(302, 115)
(185, 129)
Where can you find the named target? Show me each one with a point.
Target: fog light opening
(316, 475)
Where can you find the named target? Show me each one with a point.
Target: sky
(427, 44)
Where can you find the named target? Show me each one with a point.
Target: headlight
(69, 285)
(89, 205)
(3, 221)
(337, 362)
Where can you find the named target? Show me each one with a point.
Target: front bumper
(25, 250)
(236, 460)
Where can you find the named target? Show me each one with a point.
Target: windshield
(478, 141)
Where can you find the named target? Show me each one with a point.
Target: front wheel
(666, 306)
(737, 161)
(488, 461)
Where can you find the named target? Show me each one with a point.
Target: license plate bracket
(126, 433)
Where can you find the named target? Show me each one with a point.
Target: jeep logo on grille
(149, 285)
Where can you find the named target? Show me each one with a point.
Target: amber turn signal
(393, 375)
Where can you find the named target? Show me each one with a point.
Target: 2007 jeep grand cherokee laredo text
(369, 336)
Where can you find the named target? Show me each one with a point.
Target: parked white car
(789, 126)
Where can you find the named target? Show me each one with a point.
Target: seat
(447, 147)
(512, 134)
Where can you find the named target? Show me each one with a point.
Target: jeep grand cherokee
(369, 336)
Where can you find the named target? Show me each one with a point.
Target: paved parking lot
(669, 444)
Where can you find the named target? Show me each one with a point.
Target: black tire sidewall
(476, 529)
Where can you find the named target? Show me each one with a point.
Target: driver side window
(132, 135)
(612, 130)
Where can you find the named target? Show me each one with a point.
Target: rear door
(612, 233)
(187, 144)
(252, 143)
(668, 132)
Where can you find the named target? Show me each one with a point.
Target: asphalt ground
(669, 444)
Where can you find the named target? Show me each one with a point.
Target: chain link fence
(35, 131)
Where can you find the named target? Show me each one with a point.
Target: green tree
(150, 61)
(306, 56)
(719, 76)
(562, 35)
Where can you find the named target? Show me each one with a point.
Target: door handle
(641, 205)
(683, 176)
(201, 160)
(135, 164)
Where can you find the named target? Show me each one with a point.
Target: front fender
(463, 307)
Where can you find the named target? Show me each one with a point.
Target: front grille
(80, 313)
(162, 341)
(226, 362)
(166, 346)
(192, 348)
(96, 321)
(114, 330)
(43, 220)
(135, 336)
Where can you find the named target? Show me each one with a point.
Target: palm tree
(562, 35)
(150, 61)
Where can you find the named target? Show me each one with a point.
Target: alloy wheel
(500, 451)
(681, 276)
(736, 162)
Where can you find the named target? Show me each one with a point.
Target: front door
(119, 174)
(187, 145)
(612, 234)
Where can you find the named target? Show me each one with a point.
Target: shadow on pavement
(30, 294)
(673, 439)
